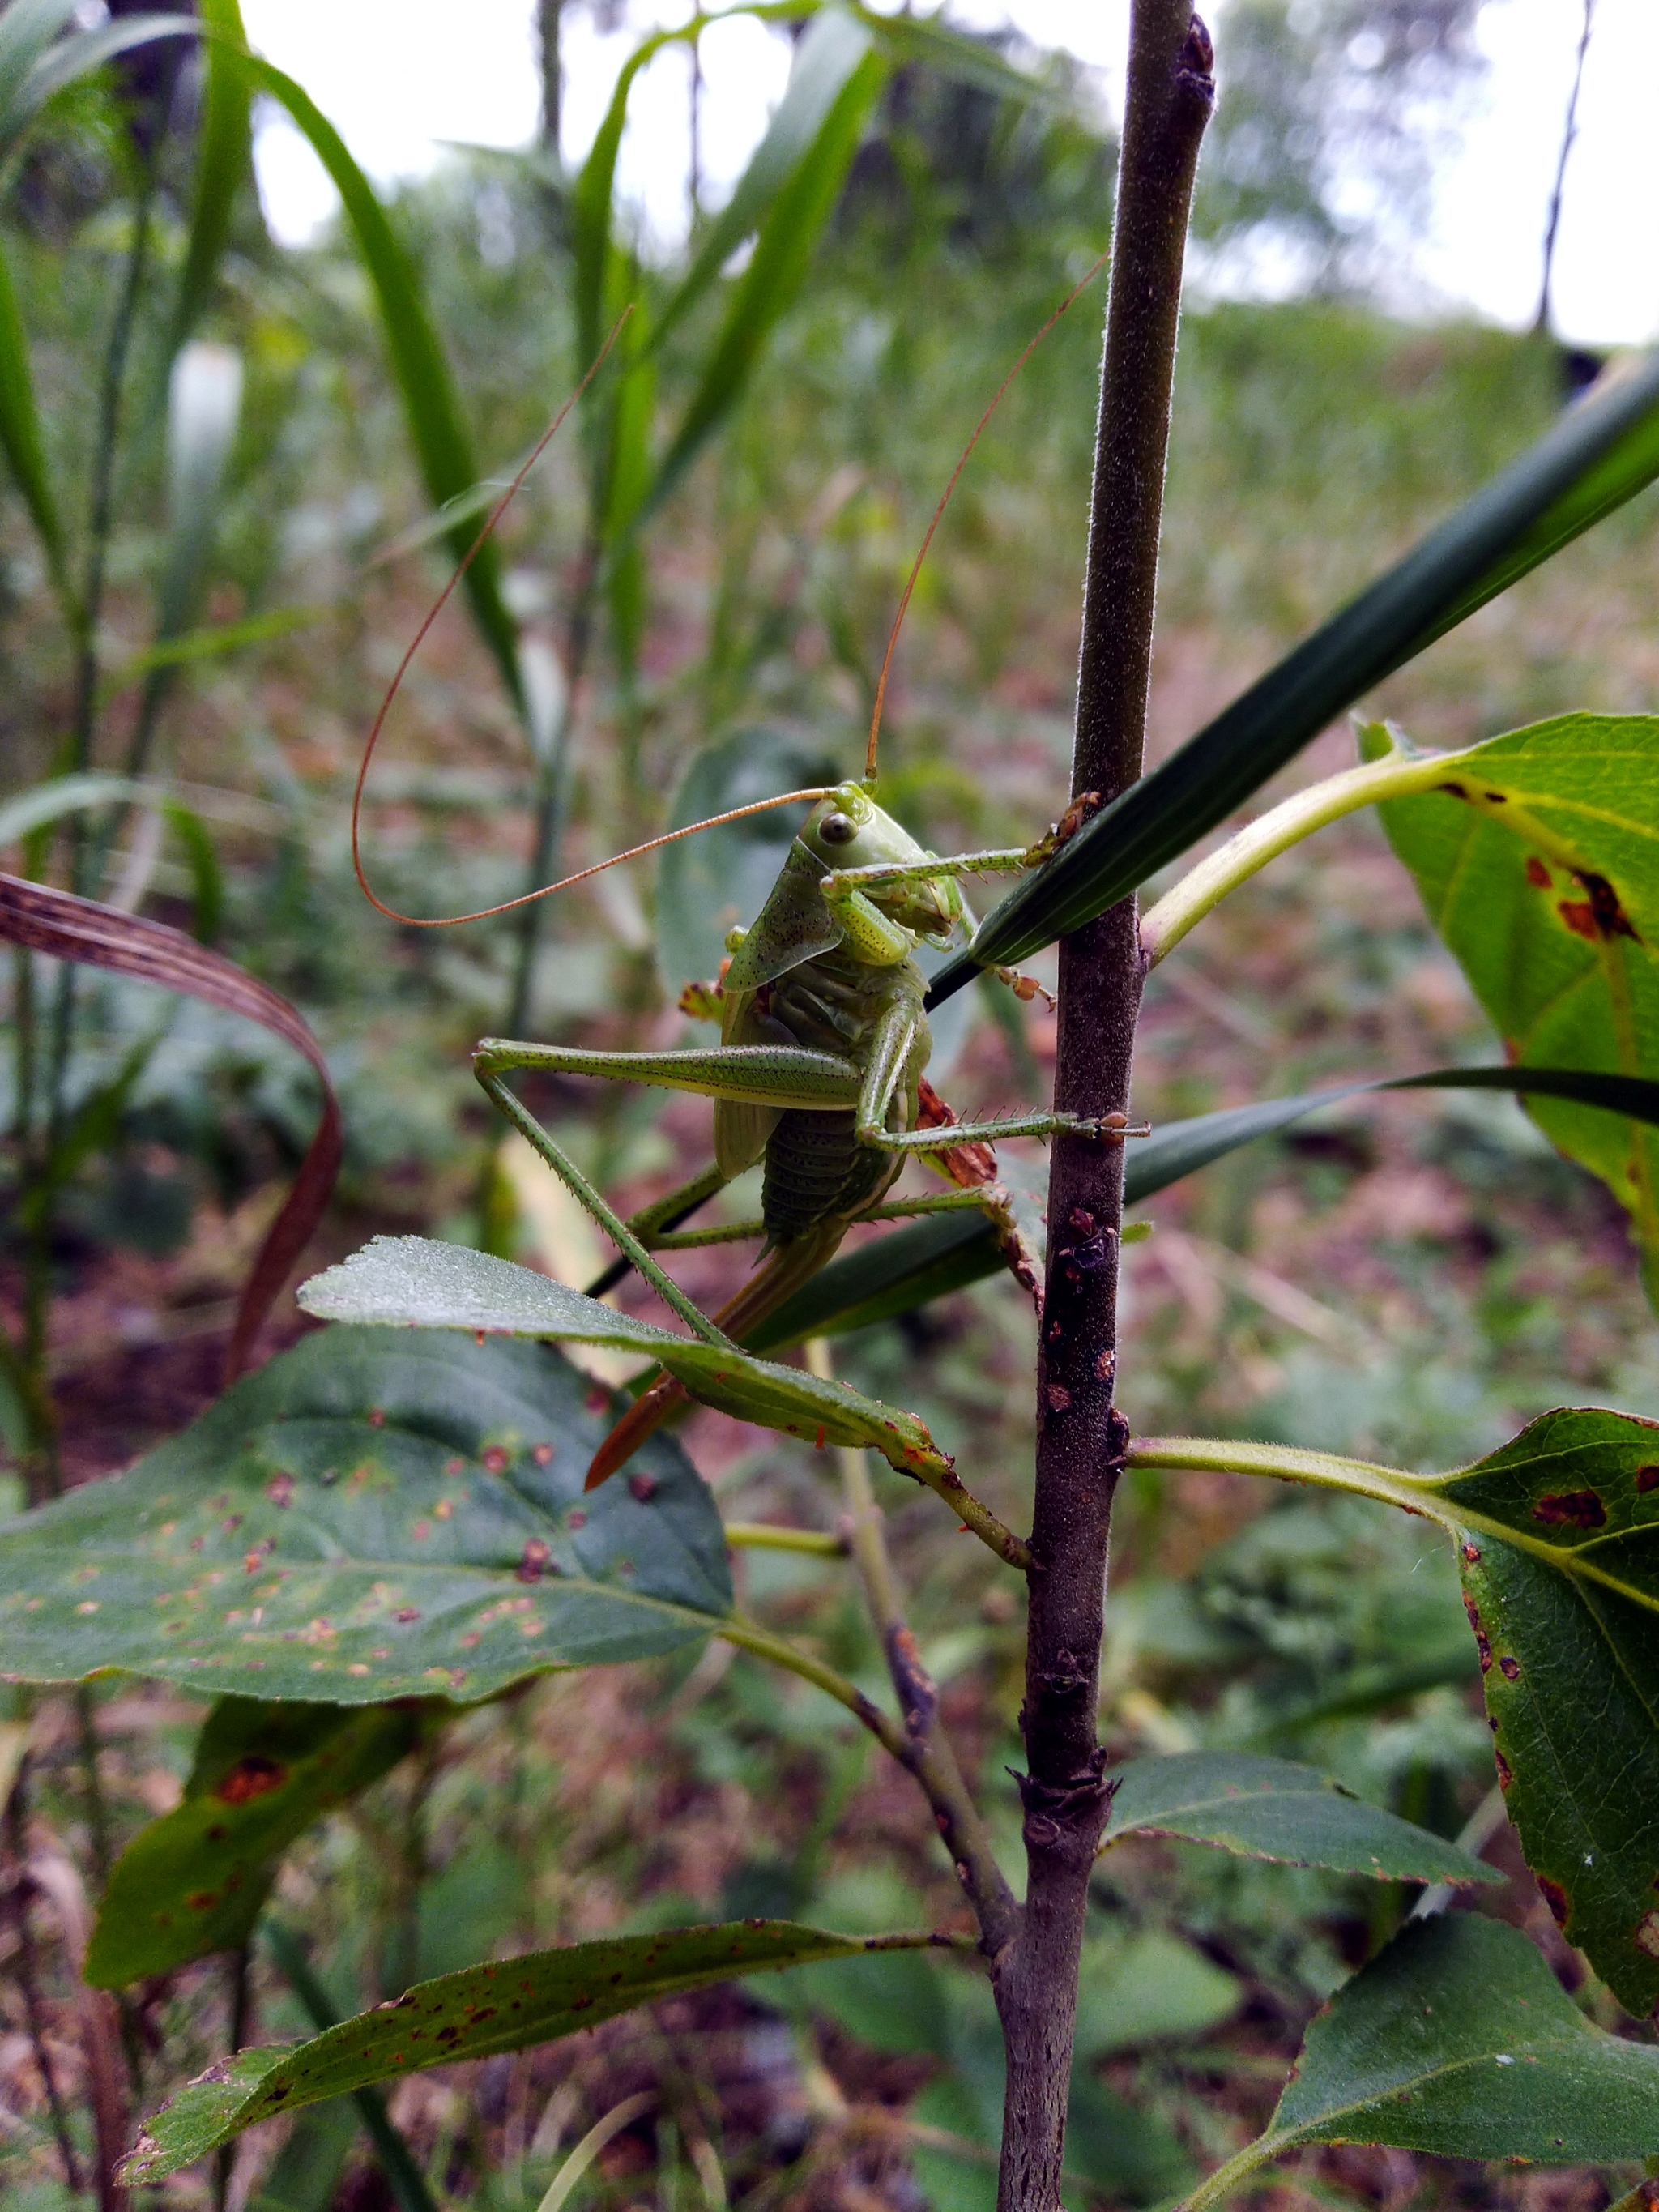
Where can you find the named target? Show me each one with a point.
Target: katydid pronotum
(820, 1074)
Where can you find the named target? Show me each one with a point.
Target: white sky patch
(398, 78)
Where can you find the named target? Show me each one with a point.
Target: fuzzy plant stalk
(1080, 1435)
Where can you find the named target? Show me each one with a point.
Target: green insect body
(817, 1074)
(842, 985)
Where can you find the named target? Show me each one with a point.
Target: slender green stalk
(1202, 889)
(750, 1636)
(928, 1752)
(771, 1537)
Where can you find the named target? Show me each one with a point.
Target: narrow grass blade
(224, 164)
(831, 48)
(20, 434)
(933, 1258)
(431, 406)
(1596, 457)
(774, 274)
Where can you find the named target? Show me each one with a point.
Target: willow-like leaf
(1600, 455)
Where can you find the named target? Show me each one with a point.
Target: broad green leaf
(1459, 2040)
(196, 1879)
(776, 271)
(19, 428)
(1601, 454)
(708, 885)
(1558, 1537)
(893, 1275)
(1147, 1986)
(431, 406)
(831, 46)
(1565, 1611)
(1539, 865)
(475, 2014)
(1268, 1809)
(224, 164)
(373, 1514)
(412, 1282)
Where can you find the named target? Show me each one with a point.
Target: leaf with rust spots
(262, 1775)
(1562, 1590)
(1542, 876)
(454, 2024)
(375, 1592)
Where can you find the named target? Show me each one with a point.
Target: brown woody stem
(1080, 1435)
(924, 1747)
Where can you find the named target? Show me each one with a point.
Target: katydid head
(848, 830)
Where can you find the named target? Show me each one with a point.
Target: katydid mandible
(820, 1074)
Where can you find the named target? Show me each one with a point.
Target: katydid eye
(837, 830)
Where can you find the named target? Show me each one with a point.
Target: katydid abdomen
(817, 1177)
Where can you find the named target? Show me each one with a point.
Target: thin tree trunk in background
(547, 13)
(1544, 321)
(1080, 1435)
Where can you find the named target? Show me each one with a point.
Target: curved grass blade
(776, 271)
(1458, 2040)
(376, 1514)
(831, 48)
(35, 62)
(431, 406)
(224, 165)
(1268, 1808)
(1600, 455)
(20, 434)
(57, 923)
(476, 2013)
(931, 1258)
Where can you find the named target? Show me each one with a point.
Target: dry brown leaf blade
(42, 919)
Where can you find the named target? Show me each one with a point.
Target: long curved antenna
(415, 921)
(1082, 285)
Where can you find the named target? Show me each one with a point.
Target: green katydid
(820, 1074)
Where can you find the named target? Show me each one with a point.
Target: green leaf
(431, 406)
(1558, 1537)
(893, 1275)
(707, 884)
(591, 199)
(20, 429)
(1459, 2040)
(930, 41)
(373, 1514)
(224, 164)
(196, 1879)
(831, 48)
(412, 1282)
(1147, 1986)
(475, 2014)
(776, 271)
(1268, 1809)
(1537, 863)
(1601, 454)
(1565, 1613)
(35, 62)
